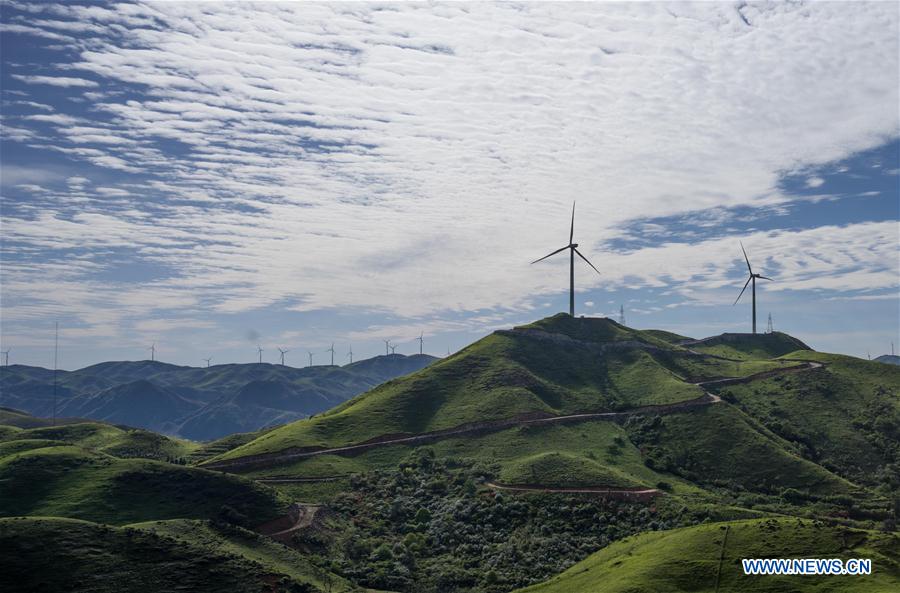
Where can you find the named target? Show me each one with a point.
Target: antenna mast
(621, 314)
(769, 327)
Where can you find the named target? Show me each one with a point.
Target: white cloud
(814, 182)
(64, 81)
(415, 159)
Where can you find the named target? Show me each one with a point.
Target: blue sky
(213, 176)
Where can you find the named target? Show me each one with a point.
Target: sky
(213, 176)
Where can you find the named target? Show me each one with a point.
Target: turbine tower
(621, 314)
(393, 347)
(573, 249)
(421, 339)
(387, 344)
(208, 361)
(769, 327)
(282, 351)
(332, 353)
(350, 354)
(752, 278)
(152, 350)
(5, 354)
(260, 351)
(310, 357)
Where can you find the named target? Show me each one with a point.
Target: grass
(748, 346)
(718, 444)
(559, 365)
(688, 560)
(68, 481)
(116, 441)
(594, 453)
(168, 556)
(845, 416)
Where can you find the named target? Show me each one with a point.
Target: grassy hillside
(845, 416)
(67, 481)
(746, 346)
(556, 366)
(116, 441)
(719, 445)
(168, 556)
(707, 558)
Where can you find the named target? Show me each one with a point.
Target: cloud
(814, 182)
(412, 161)
(63, 81)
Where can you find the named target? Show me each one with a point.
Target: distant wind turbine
(260, 351)
(6, 356)
(208, 361)
(421, 339)
(387, 344)
(332, 353)
(751, 279)
(350, 354)
(573, 249)
(310, 357)
(393, 347)
(152, 350)
(282, 352)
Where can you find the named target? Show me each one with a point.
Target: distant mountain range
(197, 403)
(888, 359)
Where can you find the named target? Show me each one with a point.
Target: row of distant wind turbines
(573, 250)
(388, 346)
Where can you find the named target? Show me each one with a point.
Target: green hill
(68, 481)
(745, 346)
(844, 416)
(152, 557)
(116, 441)
(707, 558)
(556, 366)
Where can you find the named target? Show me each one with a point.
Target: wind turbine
(207, 361)
(332, 353)
(260, 351)
(152, 351)
(573, 249)
(310, 357)
(421, 339)
(282, 352)
(387, 344)
(393, 347)
(5, 354)
(350, 354)
(751, 279)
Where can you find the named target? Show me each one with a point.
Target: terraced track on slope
(271, 459)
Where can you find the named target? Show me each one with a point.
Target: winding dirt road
(270, 459)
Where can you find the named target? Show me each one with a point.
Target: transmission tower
(621, 314)
(769, 327)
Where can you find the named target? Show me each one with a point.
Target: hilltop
(575, 402)
(197, 403)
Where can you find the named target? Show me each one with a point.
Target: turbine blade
(588, 262)
(765, 278)
(572, 228)
(746, 259)
(742, 291)
(549, 254)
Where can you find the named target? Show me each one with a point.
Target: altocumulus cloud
(411, 157)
